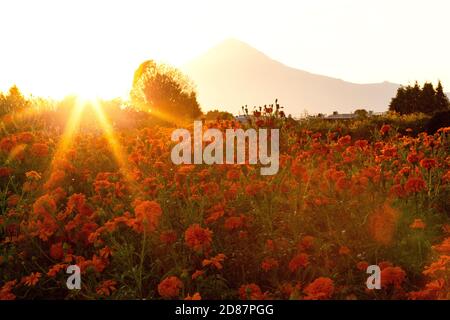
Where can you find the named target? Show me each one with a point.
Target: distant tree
(442, 101)
(427, 99)
(165, 92)
(412, 99)
(361, 113)
(218, 115)
(13, 101)
(398, 102)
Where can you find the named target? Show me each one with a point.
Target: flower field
(139, 227)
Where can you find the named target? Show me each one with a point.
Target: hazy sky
(92, 47)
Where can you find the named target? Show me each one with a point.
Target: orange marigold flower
(415, 185)
(439, 266)
(44, 206)
(98, 263)
(299, 261)
(195, 296)
(233, 174)
(5, 172)
(33, 175)
(57, 251)
(412, 157)
(77, 203)
(198, 238)
(215, 261)
(428, 163)
(147, 215)
(170, 287)
(5, 291)
(214, 216)
(385, 264)
(32, 279)
(25, 137)
(13, 200)
(210, 188)
(342, 184)
(417, 224)
(290, 291)
(53, 271)
(197, 273)
(345, 140)
(56, 178)
(432, 291)
(398, 190)
(105, 252)
(39, 149)
(343, 250)
(250, 292)
(446, 177)
(233, 223)
(362, 144)
(362, 265)
(446, 228)
(444, 247)
(306, 243)
(106, 288)
(392, 276)
(320, 289)
(385, 129)
(269, 264)
(299, 170)
(255, 188)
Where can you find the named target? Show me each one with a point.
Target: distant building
(241, 118)
(341, 116)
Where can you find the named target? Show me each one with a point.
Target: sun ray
(116, 147)
(177, 121)
(73, 123)
(18, 149)
(20, 115)
(169, 118)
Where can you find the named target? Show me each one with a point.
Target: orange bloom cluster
(147, 214)
(392, 276)
(320, 289)
(139, 226)
(198, 238)
(170, 287)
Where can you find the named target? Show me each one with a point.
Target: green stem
(142, 262)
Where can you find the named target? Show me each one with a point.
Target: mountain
(233, 74)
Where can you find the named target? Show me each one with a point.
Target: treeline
(160, 93)
(425, 99)
(12, 101)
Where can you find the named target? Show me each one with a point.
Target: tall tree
(13, 101)
(442, 101)
(427, 99)
(165, 92)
